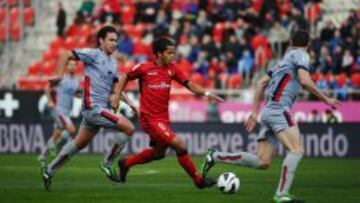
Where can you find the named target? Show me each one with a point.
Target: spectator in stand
(322, 84)
(87, 7)
(330, 117)
(279, 38)
(125, 45)
(327, 33)
(342, 91)
(233, 46)
(325, 61)
(201, 64)
(60, 20)
(337, 60)
(184, 47)
(245, 65)
(195, 49)
(231, 62)
(347, 62)
(336, 41)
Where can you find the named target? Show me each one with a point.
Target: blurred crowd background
(225, 45)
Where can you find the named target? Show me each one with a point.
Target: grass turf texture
(317, 181)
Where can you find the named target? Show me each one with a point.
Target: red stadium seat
(126, 66)
(218, 31)
(85, 30)
(129, 29)
(57, 43)
(14, 15)
(235, 81)
(29, 15)
(69, 43)
(341, 80)
(15, 32)
(34, 69)
(82, 42)
(2, 32)
(2, 15)
(79, 70)
(27, 2)
(128, 13)
(316, 77)
(50, 55)
(12, 2)
(48, 69)
(328, 77)
(138, 30)
(355, 79)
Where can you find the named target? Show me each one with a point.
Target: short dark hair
(103, 32)
(300, 38)
(159, 45)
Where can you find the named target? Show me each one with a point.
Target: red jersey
(155, 85)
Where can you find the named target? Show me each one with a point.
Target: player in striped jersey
(101, 99)
(282, 84)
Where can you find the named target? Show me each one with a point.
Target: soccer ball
(228, 183)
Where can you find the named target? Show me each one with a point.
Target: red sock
(189, 166)
(143, 157)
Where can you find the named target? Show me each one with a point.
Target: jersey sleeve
(136, 72)
(85, 55)
(179, 76)
(302, 60)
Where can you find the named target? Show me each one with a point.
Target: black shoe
(47, 178)
(206, 183)
(122, 171)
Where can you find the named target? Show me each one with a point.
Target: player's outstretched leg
(84, 137)
(126, 127)
(290, 138)
(106, 165)
(146, 156)
(188, 165)
(260, 161)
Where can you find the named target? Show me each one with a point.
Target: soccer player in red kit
(155, 83)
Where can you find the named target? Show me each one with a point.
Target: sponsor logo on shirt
(153, 73)
(162, 85)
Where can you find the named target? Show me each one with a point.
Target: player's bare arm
(129, 102)
(51, 102)
(60, 68)
(197, 89)
(307, 83)
(123, 80)
(114, 98)
(259, 93)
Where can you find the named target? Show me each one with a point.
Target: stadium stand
(215, 38)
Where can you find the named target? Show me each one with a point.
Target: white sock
(288, 169)
(50, 143)
(67, 151)
(239, 159)
(119, 142)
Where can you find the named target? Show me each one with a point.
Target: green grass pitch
(317, 181)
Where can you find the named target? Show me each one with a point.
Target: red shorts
(159, 131)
